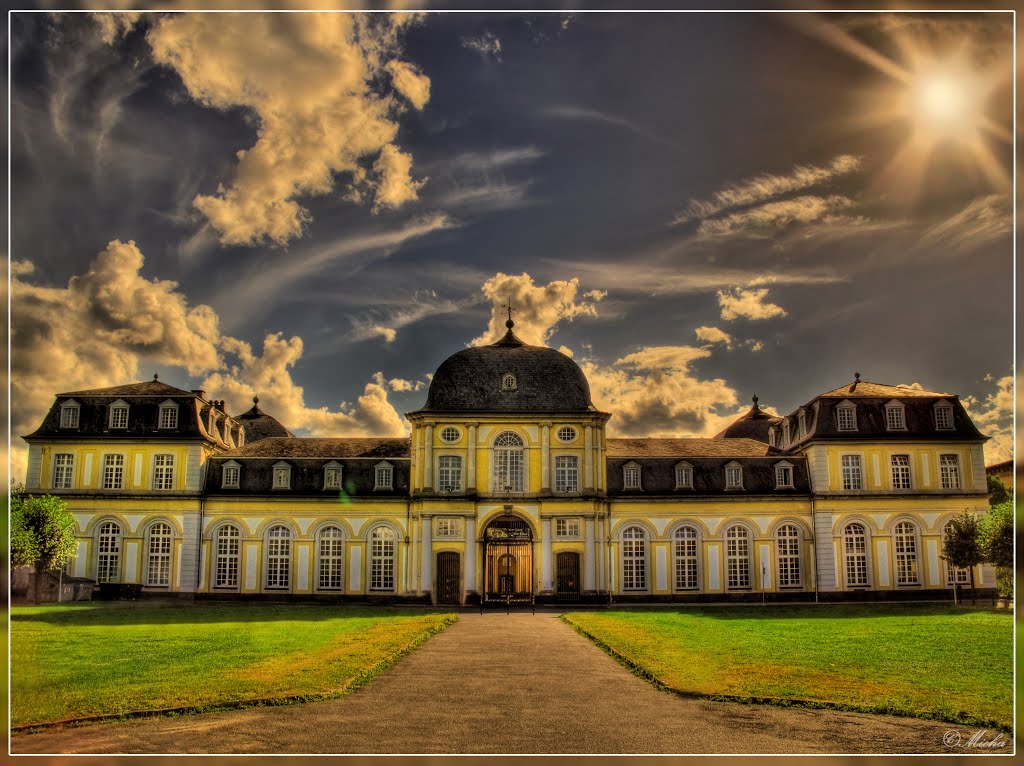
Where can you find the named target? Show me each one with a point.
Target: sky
(318, 209)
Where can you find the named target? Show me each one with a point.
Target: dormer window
(332, 475)
(895, 416)
(631, 476)
(771, 436)
(168, 415)
(69, 412)
(733, 475)
(508, 382)
(784, 475)
(383, 475)
(282, 475)
(801, 419)
(785, 433)
(943, 416)
(118, 414)
(846, 416)
(231, 475)
(684, 476)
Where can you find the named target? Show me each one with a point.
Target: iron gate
(568, 582)
(447, 587)
(508, 561)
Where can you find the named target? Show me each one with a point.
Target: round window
(450, 434)
(566, 434)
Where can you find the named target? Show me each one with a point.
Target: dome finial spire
(508, 306)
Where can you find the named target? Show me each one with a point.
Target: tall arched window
(382, 559)
(685, 547)
(737, 557)
(905, 547)
(787, 547)
(855, 548)
(955, 575)
(508, 473)
(158, 555)
(331, 553)
(226, 562)
(279, 556)
(108, 552)
(634, 558)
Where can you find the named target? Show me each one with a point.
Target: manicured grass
(929, 661)
(93, 659)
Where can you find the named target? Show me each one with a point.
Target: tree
(996, 540)
(961, 547)
(42, 533)
(997, 491)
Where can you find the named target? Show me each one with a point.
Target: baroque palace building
(508, 489)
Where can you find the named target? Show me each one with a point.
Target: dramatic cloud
(313, 83)
(713, 335)
(766, 186)
(993, 416)
(400, 384)
(537, 310)
(774, 215)
(487, 45)
(747, 303)
(983, 221)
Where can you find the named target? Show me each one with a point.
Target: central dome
(509, 376)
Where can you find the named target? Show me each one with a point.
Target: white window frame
(382, 559)
(163, 471)
(846, 416)
(787, 553)
(447, 526)
(70, 414)
(118, 412)
(771, 436)
(784, 475)
(450, 435)
(733, 475)
(278, 557)
(63, 470)
(567, 473)
(686, 547)
(905, 551)
(567, 434)
(384, 475)
(508, 457)
(633, 540)
(509, 382)
(113, 471)
(684, 476)
(332, 475)
(167, 420)
(856, 564)
(900, 472)
(950, 476)
(801, 419)
(281, 477)
(233, 469)
(947, 412)
(159, 547)
(851, 469)
(449, 473)
(632, 476)
(567, 527)
(109, 536)
(227, 556)
(330, 558)
(895, 416)
(785, 432)
(738, 558)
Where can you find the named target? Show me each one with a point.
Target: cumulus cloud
(767, 186)
(537, 309)
(113, 325)
(487, 45)
(713, 335)
(747, 303)
(313, 83)
(807, 208)
(400, 384)
(993, 415)
(983, 221)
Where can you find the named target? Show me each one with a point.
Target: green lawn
(92, 659)
(930, 661)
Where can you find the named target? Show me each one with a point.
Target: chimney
(199, 392)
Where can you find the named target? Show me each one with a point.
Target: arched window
(737, 557)
(331, 550)
(685, 548)
(158, 555)
(905, 547)
(955, 575)
(382, 559)
(855, 548)
(508, 382)
(226, 562)
(787, 547)
(108, 552)
(634, 558)
(508, 463)
(279, 556)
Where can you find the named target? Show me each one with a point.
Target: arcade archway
(508, 560)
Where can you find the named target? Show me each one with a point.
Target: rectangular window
(733, 478)
(231, 475)
(686, 559)
(383, 478)
(449, 473)
(684, 477)
(168, 417)
(949, 469)
(567, 474)
(801, 419)
(852, 477)
(508, 470)
(382, 561)
(119, 417)
(567, 527)
(783, 476)
(282, 478)
(447, 527)
(634, 564)
(69, 417)
(332, 478)
(957, 575)
(847, 418)
(332, 559)
(944, 418)
(113, 472)
(163, 472)
(63, 469)
(901, 471)
(631, 478)
(894, 420)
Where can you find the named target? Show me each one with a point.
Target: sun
(945, 105)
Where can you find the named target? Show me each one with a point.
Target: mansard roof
(680, 448)
(325, 448)
(866, 388)
(657, 475)
(147, 388)
(259, 425)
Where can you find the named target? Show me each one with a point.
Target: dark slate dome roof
(753, 425)
(546, 380)
(259, 425)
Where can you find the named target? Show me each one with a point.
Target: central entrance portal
(508, 560)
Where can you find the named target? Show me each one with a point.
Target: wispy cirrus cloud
(983, 221)
(771, 216)
(593, 115)
(487, 44)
